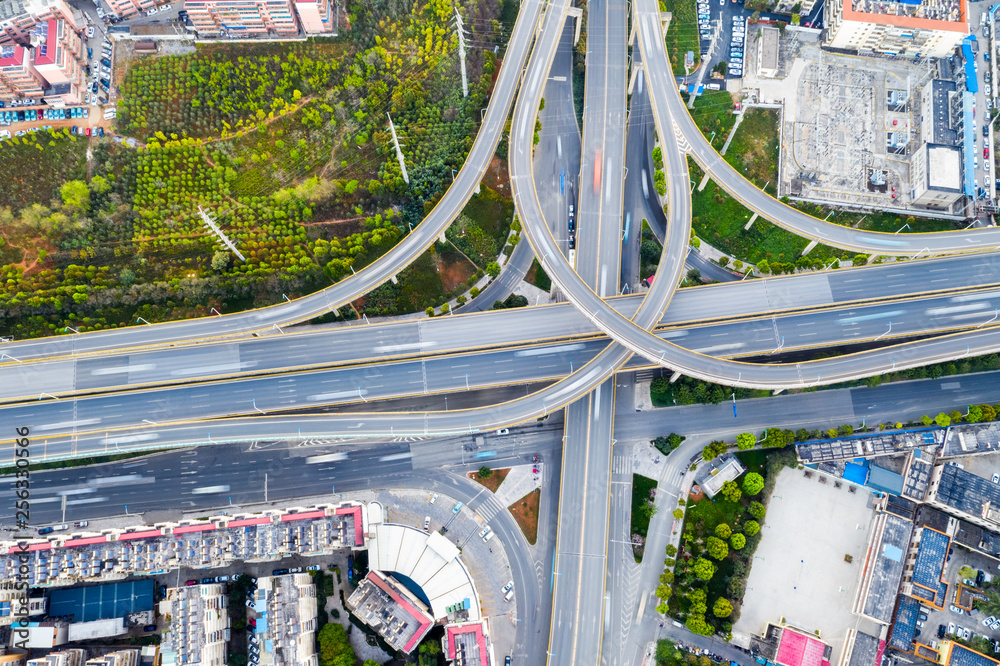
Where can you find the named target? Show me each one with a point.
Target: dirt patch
(525, 512)
(454, 269)
(496, 176)
(494, 480)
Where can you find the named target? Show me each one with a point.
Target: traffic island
(525, 512)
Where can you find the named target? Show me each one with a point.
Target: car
(313, 567)
(222, 579)
(163, 591)
(81, 523)
(506, 660)
(942, 630)
(149, 627)
(966, 634)
(208, 581)
(46, 530)
(427, 523)
(279, 572)
(106, 62)
(165, 8)
(955, 609)
(100, 132)
(508, 587)
(90, 32)
(90, 53)
(250, 603)
(93, 88)
(152, 10)
(295, 570)
(191, 582)
(503, 431)
(86, 131)
(483, 532)
(996, 478)
(457, 507)
(736, 61)
(951, 627)
(74, 130)
(922, 616)
(988, 622)
(434, 498)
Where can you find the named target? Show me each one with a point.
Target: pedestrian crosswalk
(621, 464)
(489, 508)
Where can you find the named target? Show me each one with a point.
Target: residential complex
(197, 625)
(930, 28)
(53, 68)
(286, 614)
(117, 658)
(130, 8)
(18, 18)
(68, 657)
(18, 76)
(242, 18)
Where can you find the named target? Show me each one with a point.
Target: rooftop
(944, 167)
(947, 15)
(102, 602)
(798, 649)
(928, 568)
(466, 644)
(386, 606)
(968, 493)
(959, 655)
(972, 438)
(886, 563)
(869, 445)
(866, 650)
(905, 626)
(942, 131)
(719, 471)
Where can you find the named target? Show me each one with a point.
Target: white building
(936, 176)
(285, 611)
(930, 28)
(197, 625)
(767, 52)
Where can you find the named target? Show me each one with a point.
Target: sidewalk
(519, 482)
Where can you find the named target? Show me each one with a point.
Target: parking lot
(723, 25)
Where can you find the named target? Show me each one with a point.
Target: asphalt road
(313, 305)
(409, 338)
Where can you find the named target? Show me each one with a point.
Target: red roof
(359, 533)
(416, 613)
(89, 541)
(302, 516)
(45, 54)
(248, 521)
(45, 545)
(477, 629)
(798, 649)
(205, 527)
(139, 535)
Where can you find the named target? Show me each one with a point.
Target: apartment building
(18, 76)
(12, 603)
(19, 18)
(131, 8)
(931, 28)
(61, 58)
(12, 660)
(117, 658)
(285, 611)
(69, 657)
(242, 18)
(197, 625)
(315, 16)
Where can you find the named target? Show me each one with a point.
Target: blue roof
(928, 569)
(969, 139)
(268, 646)
(963, 656)
(906, 624)
(970, 65)
(261, 625)
(102, 602)
(856, 473)
(885, 480)
(894, 553)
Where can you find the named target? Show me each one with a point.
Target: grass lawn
(482, 228)
(719, 219)
(682, 34)
(537, 276)
(77, 462)
(494, 480)
(754, 148)
(643, 493)
(713, 113)
(525, 512)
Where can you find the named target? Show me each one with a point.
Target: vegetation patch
(33, 166)
(754, 149)
(650, 250)
(643, 509)
(525, 512)
(483, 226)
(537, 276)
(718, 539)
(489, 478)
(682, 33)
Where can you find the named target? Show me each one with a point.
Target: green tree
(757, 510)
(975, 414)
(926, 420)
(943, 420)
(220, 260)
(751, 527)
(75, 194)
(753, 483)
(334, 646)
(703, 569)
(745, 441)
(723, 531)
(716, 548)
(731, 491)
(671, 550)
(493, 268)
(966, 572)
(722, 608)
(485, 472)
(989, 414)
(738, 541)
(678, 514)
(697, 624)
(99, 185)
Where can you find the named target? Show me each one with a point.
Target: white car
(90, 32)
(165, 8)
(996, 478)
(955, 609)
(988, 622)
(152, 10)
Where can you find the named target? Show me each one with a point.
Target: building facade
(131, 8)
(61, 58)
(198, 625)
(117, 658)
(315, 16)
(241, 18)
(19, 18)
(18, 77)
(936, 176)
(69, 657)
(930, 28)
(286, 613)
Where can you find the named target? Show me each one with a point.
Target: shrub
(751, 527)
(722, 608)
(745, 441)
(757, 510)
(753, 483)
(738, 541)
(723, 531)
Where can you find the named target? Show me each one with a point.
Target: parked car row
(736, 43)
(704, 20)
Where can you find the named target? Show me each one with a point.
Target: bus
(597, 172)
(628, 220)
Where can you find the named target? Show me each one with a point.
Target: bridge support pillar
(576, 13)
(704, 182)
(871, 259)
(750, 223)
(777, 391)
(674, 377)
(809, 248)
(394, 279)
(442, 238)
